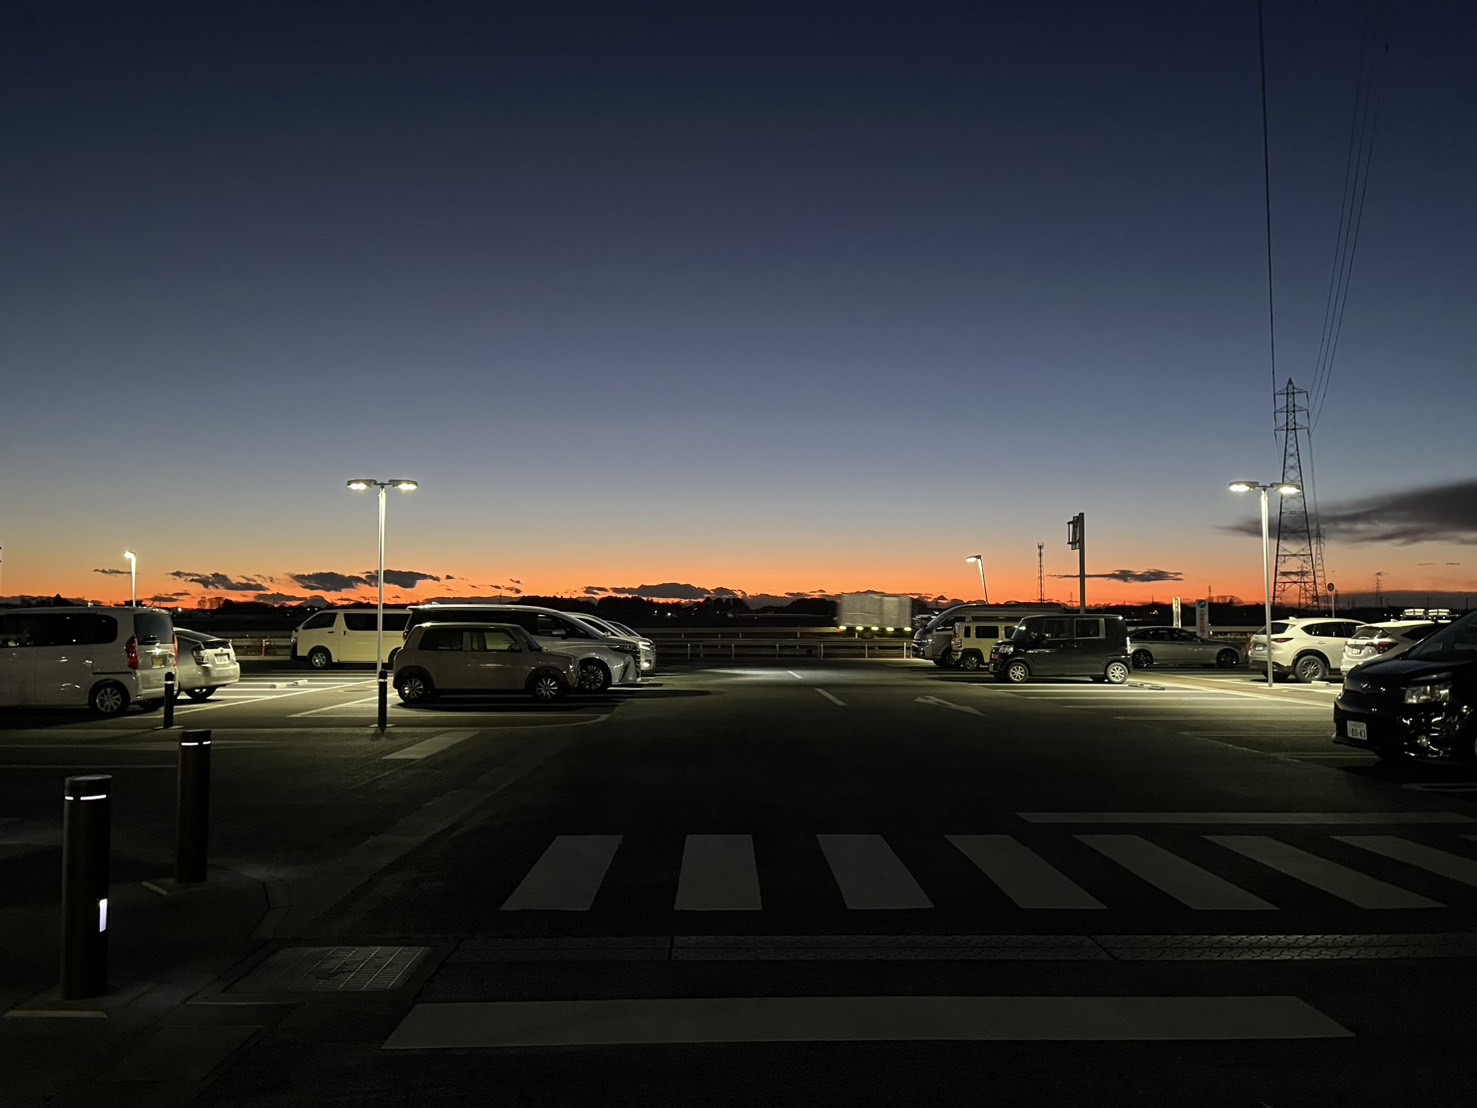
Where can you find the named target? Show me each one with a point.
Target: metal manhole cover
(332, 969)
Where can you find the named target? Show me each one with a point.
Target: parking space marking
(869, 874)
(795, 675)
(336, 707)
(1185, 881)
(718, 875)
(426, 747)
(1358, 889)
(833, 699)
(949, 704)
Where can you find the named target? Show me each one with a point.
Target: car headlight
(1433, 692)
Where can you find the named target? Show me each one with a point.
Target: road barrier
(192, 809)
(87, 817)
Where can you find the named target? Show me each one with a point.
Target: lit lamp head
(359, 484)
(130, 555)
(975, 558)
(1243, 486)
(404, 485)
(1288, 490)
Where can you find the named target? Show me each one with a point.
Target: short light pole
(359, 484)
(1283, 489)
(979, 560)
(1333, 600)
(132, 578)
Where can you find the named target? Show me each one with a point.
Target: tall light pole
(360, 484)
(979, 560)
(1283, 489)
(132, 578)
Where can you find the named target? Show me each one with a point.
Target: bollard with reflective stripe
(192, 827)
(86, 840)
(384, 697)
(169, 700)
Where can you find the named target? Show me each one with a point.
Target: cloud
(218, 581)
(1137, 576)
(400, 578)
(278, 598)
(167, 598)
(669, 590)
(113, 572)
(1431, 513)
(328, 581)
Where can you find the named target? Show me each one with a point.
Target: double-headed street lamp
(360, 484)
(1283, 489)
(132, 578)
(979, 560)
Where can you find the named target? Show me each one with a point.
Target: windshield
(1457, 642)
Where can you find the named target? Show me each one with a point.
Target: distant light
(130, 555)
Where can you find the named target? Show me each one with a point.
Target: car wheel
(199, 694)
(1310, 667)
(1016, 672)
(319, 658)
(1228, 659)
(414, 687)
(546, 687)
(947, 659)
(108, 699)
(594, 677)
(971, 661)
(1141, 659)
(1116, 673)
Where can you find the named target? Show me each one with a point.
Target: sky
(772, 298)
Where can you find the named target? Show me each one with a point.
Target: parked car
(975, 637)
(614, 630)
(1384, 640)
(1064, 646)
(1422, 704)
(604, 661)
(1176, 646)
(336, 636)
(206, 663)
(1306, 648)
(83, 657)
(480, 658)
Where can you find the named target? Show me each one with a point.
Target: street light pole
(359, 484)
(1284, 490)
(979, 560)
(132, 578)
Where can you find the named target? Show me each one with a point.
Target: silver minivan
(84, 657)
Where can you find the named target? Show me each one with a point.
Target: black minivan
(1064, 646)
(1422, 704)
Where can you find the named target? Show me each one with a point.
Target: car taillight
(1283, 638)
(132, 648)
(174, 651)
(199, 653)
(1381, 647)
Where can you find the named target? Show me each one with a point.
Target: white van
(335, 636)
(975, 637)
(99, 658)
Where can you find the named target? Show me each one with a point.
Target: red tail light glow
(1382, 645)
(132, 648)
(1283, 638)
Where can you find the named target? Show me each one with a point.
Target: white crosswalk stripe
(719, 872)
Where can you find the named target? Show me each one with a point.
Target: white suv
(1308, 648)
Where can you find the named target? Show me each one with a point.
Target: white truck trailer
(874, 613)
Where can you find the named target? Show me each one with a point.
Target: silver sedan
(1175, 646)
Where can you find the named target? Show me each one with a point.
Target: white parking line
(335, 707)
(869, 874)
(718, 875)
(1357, 888)
(795, 675)
(832, 699)
(567, 876)
(949, 704)
(434, 745)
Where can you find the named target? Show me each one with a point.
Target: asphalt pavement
(791, 883)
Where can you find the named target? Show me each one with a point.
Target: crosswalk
(1271, 870)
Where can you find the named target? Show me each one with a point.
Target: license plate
(158, 662)
(1357, 730)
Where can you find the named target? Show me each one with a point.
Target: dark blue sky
(762, 296)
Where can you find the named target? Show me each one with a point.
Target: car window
(149, 627)
(1416, 634)
(493, 640)
(442, 638)
(1088, 628)
(320, 621)
(1456, 642)
(23, 629)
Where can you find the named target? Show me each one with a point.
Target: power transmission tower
(1040, 573)
(1379, 589)
(1297, 565)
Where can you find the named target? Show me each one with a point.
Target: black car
(1420, 705)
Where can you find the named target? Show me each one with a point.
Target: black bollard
(86, 839)
(169, 700)
(192, 827)
(384, 697)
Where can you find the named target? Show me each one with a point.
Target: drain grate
(332, 969)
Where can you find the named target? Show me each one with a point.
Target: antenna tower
(1040, 573)
(1298, 561)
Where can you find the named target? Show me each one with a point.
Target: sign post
(1077, 540)
(1177, 614)
(1202, 618)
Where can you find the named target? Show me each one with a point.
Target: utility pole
(1077, 540)
(1040, 573)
